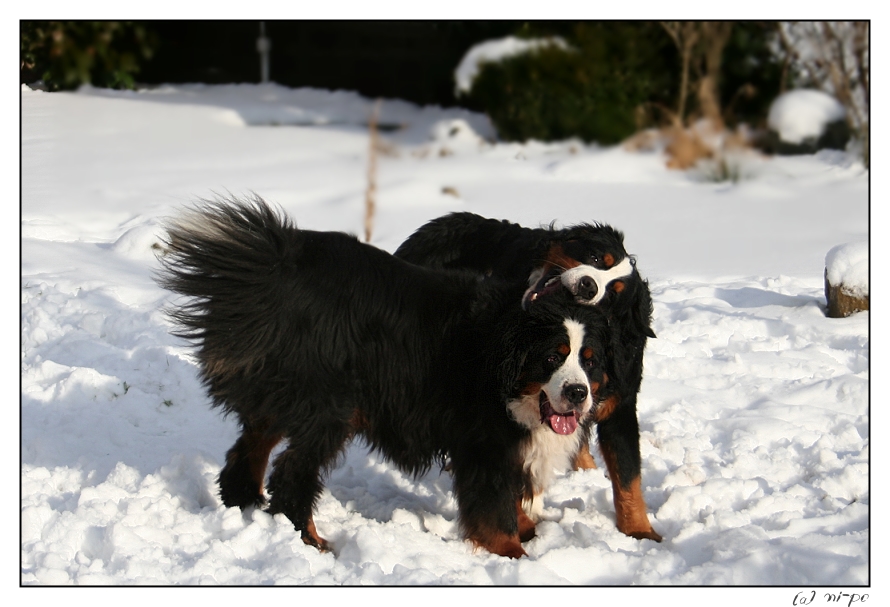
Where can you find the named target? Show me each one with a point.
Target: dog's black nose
(587, 288)
(575, 393)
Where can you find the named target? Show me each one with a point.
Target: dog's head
(589, 263)
(556, 372)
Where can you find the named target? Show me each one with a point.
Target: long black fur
(313, 337)
(510, 252)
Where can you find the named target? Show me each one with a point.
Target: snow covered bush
(804, 121)
(494, 51)
(588, 87)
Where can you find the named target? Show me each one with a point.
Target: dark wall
(411, 60)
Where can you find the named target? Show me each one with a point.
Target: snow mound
(803, 113)
(140, 242)
(847, 264)
(492, 51)
(455, 132)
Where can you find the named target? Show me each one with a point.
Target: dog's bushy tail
(226, 256)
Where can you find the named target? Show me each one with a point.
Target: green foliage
(66, 54)
(618, 77)
(591, 91)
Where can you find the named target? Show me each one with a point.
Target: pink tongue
(550, 287)
(563, 424)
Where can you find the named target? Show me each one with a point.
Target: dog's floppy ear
(506, 352)
(508, 359)
(641, 310)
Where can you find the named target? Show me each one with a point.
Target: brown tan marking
(532, 388)
(254, 445)
(310, 537)
(605, 407)
(609, 260)
(630, 508)
(526, 524)
(556, 257)
(502, 544)
(358, 422)
(258, 456)
(583, 459)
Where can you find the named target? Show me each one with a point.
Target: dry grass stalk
(371, 188)
(685, 148)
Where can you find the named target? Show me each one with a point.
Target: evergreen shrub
(67, 54)
(591, 91)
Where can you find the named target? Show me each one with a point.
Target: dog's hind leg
(296, 480)
(241, 479)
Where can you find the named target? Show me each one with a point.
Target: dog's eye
(594, 258)
(553, 360)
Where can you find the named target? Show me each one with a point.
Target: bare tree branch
(685, 35)
(834, 57)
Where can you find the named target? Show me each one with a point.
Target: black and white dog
(590, 264)
(313, 337)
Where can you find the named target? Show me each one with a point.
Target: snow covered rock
(804, 121)
(846, 279)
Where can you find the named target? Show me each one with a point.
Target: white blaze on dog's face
(559, 390)
(587, 283)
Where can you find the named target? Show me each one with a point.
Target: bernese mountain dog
(313, 338)
(590, 264)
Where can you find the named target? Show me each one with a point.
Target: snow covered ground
(754, 409)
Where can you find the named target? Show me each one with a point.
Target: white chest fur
(547, 453)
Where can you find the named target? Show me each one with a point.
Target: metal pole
(263, 46)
